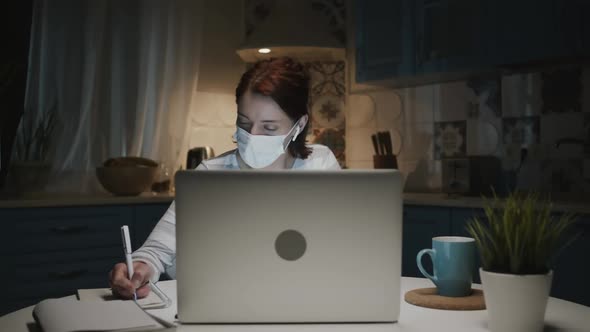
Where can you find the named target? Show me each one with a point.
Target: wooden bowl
(127, 176)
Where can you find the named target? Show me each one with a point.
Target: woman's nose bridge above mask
(257, 129)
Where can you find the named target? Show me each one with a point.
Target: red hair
(287, 83)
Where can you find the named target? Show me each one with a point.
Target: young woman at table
(271, 126)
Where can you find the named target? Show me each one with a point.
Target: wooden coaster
(429, 298)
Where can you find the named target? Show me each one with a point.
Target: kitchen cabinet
(581, 13)
(451, 35)
(384, 39)
(570, 278)
(530, 31)
(460, 217)
(420, 225)
(146, 218)
(53, 251)
(402, 44)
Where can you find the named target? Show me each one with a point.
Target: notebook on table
(68, 314)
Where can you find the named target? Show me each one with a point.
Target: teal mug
(453, 261)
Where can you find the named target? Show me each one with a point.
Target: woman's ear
(300, 125)
(303, 121)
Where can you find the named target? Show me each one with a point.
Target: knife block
(385, 161)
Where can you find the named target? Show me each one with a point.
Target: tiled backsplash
(485, 117)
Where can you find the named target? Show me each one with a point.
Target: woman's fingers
(125, 288)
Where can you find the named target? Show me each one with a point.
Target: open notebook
(156, 299)
(68, 314)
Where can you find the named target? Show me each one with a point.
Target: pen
(127, 249)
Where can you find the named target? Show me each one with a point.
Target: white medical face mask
(259, 151)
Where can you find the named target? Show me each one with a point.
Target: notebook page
(105, 294)
(65, 315)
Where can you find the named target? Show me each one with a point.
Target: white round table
(560, 316)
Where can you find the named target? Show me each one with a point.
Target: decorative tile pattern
(334, 11)
(333, 138)
(327, 92)
(255, 12)
(326, 78)
(450, 139)
(523, 130)
(562, 91)
(490, 91)
(327, 111)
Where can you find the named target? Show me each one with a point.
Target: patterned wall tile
(327, 111)
(521, 95)
(522, 131)
(327, 105)
(489, 93)
(334, 11)
(450, 139)
(333, 138)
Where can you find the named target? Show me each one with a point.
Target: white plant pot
(516, 302)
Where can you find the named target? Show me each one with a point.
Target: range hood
(292, 29)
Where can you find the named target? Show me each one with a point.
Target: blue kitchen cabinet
(452, 36)
(570, 278)
(53, 251)
(581, 14)
(146, 218)
(537, 31)
(459, 220)
(420, 225)
(384, 39)
(406, 43)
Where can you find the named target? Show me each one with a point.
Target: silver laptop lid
(288, 246)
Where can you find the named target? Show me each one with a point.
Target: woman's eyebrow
(270, 121)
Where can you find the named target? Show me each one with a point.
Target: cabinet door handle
(67, 274)
(69, 229)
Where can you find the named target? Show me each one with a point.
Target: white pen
(127, 248)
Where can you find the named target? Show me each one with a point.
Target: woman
(271, 127)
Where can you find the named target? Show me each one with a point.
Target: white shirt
(159, 250)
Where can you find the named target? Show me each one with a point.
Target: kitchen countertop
(578, 205)
(76, 199)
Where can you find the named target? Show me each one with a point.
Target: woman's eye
(244, 125)
(271, 128)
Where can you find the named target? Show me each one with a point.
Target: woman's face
(261, 115)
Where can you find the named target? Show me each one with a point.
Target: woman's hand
(123, 287)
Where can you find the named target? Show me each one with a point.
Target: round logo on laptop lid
(290, 245)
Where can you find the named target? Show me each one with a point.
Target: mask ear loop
(297, 131)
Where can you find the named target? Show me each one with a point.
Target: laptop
(288, 246)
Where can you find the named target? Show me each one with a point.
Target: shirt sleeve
(330, 162)
(159, 250)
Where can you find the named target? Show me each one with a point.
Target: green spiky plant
(520, 235)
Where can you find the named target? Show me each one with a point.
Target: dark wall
(15, 27)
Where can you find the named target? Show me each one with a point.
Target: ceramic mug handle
(432, 255)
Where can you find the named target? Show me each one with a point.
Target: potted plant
(30, 168)
(518, 245)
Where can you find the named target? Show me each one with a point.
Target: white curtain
(122, 74)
